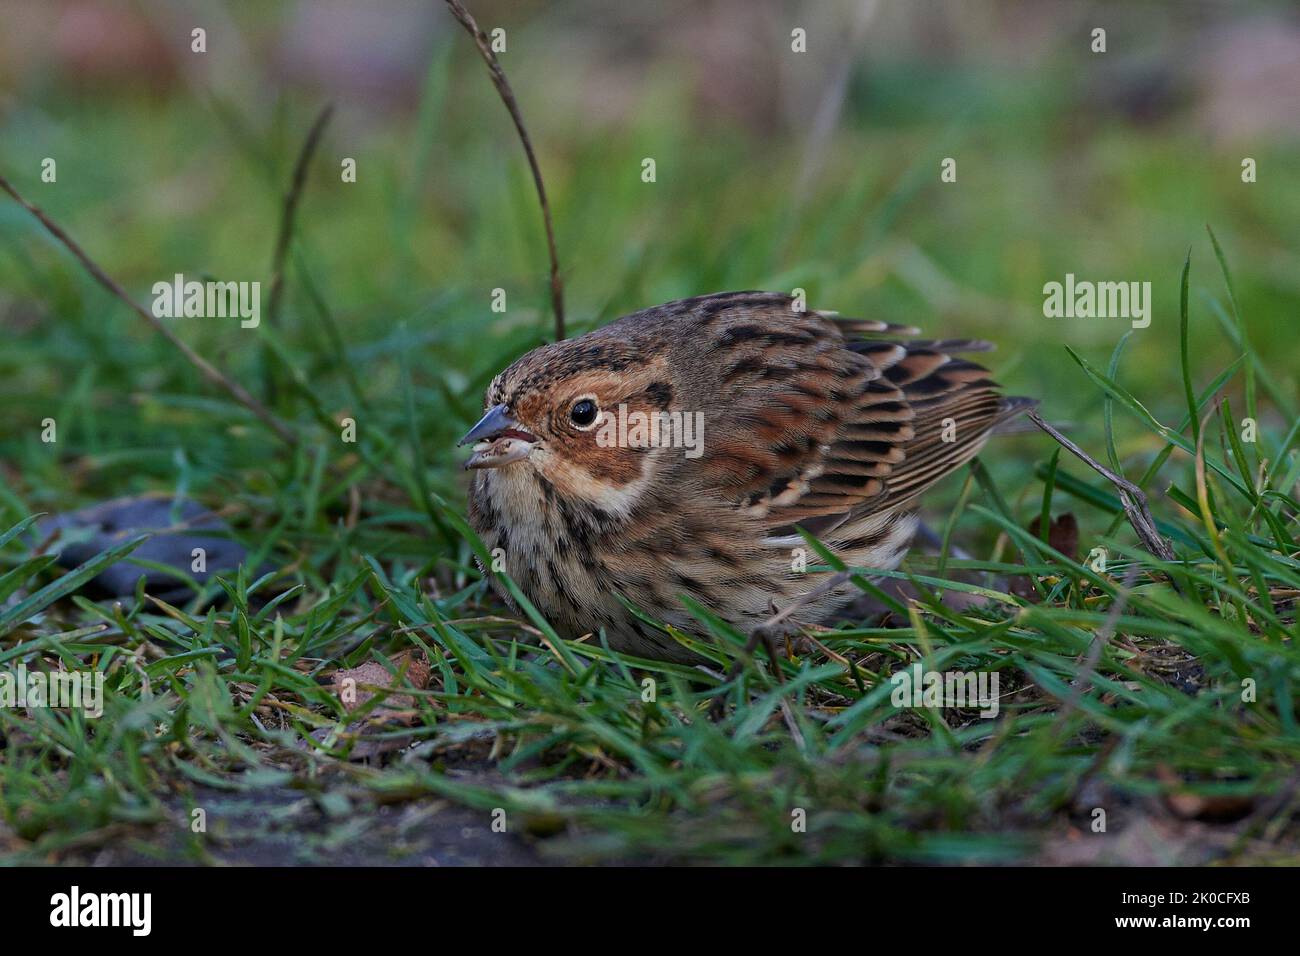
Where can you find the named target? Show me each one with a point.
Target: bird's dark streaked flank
(793, 418)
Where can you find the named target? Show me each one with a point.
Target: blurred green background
(775, 169)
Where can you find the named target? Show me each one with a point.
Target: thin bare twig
(290, 207)
(1131, 496)
(208, 370)
(508, 98)
(769, 627)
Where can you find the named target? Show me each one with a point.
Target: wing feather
(819, 418)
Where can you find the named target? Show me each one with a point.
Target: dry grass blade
(508, 98)
(291, 199)
(208, 370)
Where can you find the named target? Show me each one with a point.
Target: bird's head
(557, 411)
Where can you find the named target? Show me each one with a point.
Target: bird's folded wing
(817, 416)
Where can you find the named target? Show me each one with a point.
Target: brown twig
(508, 98)
(208, 370)
(290, 207)
(1131, 496)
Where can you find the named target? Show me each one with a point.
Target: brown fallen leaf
(1182, 803)
(352, 682)
(1062, 534)
(397, 710)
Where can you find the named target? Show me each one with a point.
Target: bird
(677, 453)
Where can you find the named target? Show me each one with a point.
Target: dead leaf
(374, 674)
(1062, 534)
(397, 710)
(1186, 805)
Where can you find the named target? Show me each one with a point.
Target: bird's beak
(498, 440)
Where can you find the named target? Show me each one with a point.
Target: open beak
(498, 440)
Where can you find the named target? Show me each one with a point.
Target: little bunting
(797, 419)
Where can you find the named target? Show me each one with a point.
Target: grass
(1123, 686)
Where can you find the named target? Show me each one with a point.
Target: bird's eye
(583, 412)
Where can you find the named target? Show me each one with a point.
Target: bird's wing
(818, 416)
